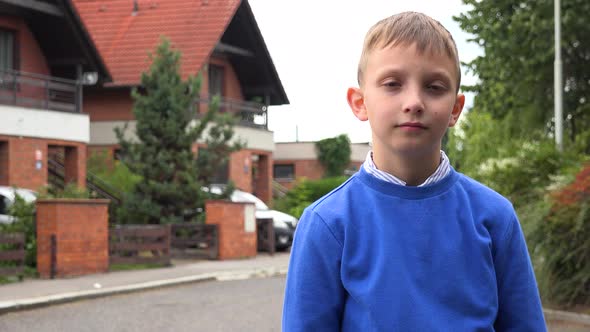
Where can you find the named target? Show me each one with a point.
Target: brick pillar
(75, 166)
(80, 227)
(264, 182)
(236, 224)
(240, 169)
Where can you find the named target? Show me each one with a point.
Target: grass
(30, 273)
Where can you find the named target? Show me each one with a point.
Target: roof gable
(124, 36)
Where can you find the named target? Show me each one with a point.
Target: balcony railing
(39, 91)
(249, 113)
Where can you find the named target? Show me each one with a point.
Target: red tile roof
(124, 40)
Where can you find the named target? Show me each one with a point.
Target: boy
(407, 243)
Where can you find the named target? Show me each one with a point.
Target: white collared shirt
(443, 169)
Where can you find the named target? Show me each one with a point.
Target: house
(219, 38)
(46, 57)
(297, 160)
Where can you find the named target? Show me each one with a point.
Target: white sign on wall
(249, 218)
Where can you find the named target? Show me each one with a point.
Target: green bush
(305, 193)
(71, 190)
(25, 223)
(334, 154)
(562, 240)
(524, 175)
(113, 172)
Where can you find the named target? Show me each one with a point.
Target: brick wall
(31, 56)
(231, 86)
(234, 240)
(20, 165)
(240, 169)
(3, 163)
(81, 230)
(309, 169)
(108, 104)
(263, 180)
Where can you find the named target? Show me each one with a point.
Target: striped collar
(443, 169)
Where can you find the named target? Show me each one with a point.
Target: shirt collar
(443, 169)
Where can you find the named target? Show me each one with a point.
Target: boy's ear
(457, 109)
(357, 103)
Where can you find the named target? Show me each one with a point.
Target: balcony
(39, 91)
(249, 113)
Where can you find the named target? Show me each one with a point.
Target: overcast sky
(315, 46)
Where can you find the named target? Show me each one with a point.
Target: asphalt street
(234, 305)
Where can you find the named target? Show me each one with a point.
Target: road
(237, 305)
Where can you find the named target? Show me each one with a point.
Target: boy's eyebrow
(400, 72)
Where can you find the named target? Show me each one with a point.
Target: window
(286, 171)
(215, 80)
(8, 60)
(7, 50)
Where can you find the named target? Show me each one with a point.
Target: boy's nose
(413, 102)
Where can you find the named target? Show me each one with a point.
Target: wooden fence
(139, 244)
(12, 254)
(194, 241)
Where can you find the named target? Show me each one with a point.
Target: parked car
(284, 224)
(7, 198)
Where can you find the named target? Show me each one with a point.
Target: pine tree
(164, 107)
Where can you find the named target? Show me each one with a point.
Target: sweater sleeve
(314, 295)
(518, 297)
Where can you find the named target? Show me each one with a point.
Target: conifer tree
(164, 107)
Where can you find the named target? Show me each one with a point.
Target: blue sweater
(374, 256)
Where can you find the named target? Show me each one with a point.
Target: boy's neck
(410, 168)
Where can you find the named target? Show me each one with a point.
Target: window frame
(277, 177)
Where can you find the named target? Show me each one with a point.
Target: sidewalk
(40, 292)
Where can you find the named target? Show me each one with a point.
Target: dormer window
(7, 50)
(216, 81)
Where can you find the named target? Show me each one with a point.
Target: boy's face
(409, 99)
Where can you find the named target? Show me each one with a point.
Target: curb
(37, 302)
(567, 316)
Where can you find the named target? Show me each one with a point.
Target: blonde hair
(409, 28)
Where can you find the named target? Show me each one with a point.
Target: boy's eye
(392, 84)
(436, 87)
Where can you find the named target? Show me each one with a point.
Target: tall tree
(516, 71)
(169, 188)
(334, 154)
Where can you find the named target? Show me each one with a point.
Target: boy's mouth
(412, 125)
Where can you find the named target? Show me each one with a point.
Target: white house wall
(28, 122)
(102, 133)
(306, 151)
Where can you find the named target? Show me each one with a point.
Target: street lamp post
(558, 79)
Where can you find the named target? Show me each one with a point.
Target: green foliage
(563, 243)
(305, 193)
(334, 154)
(25, 223)
(516, 71)
(71, 190)
(506, 139)
(169, 189)
(114, 173)
(520, 169)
